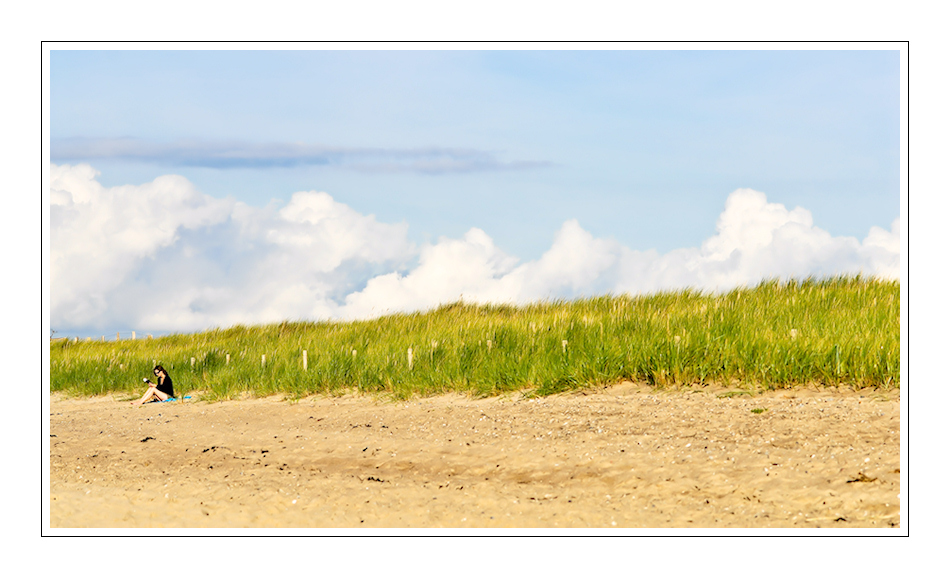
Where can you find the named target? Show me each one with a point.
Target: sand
(620, 457)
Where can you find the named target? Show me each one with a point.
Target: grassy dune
(837, 331)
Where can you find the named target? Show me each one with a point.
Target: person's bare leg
(149, 394)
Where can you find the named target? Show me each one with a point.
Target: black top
(165, 386)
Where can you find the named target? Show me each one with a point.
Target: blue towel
(175, 399)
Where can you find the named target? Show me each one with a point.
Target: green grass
(840, 331)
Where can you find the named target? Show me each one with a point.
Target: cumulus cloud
(754, 240)
(162, 256)
(100, 236)
(236, 154)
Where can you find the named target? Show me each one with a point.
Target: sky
(199, 189)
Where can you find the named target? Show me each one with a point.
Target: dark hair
(159, 368)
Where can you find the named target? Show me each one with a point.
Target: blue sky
(642, 146)
(639, 149)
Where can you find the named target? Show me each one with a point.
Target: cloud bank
(164, 257)
(236, 154)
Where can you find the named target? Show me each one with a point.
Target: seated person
(158, 392)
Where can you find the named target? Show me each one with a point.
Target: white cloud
(164, 257)
(99, 236)
(468, 268)
(755, 240)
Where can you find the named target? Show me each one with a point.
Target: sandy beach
(626, 456)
